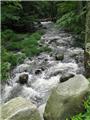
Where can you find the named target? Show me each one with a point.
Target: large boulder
(67, 99)
(19, 109)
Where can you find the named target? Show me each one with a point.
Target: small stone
(59, 57)
(46, 59)
(66, 77)
(23, 79)
(40, 45)
(38, 71)
(42, 68)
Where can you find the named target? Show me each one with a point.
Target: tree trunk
(87, 42)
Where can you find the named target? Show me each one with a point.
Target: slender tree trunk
(53, 10)
(87, 42)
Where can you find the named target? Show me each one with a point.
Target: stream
(46, 69)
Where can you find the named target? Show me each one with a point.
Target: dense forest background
(21, 27)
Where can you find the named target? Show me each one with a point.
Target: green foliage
(8, 36)
(86, 114)
(72, 18)
(13, 44)
(87, 106)
(77, 117)
(71, 21)
(21, 15)
(15, 58)
(10, 39)
(30, 45)
(9, 60)
(67, 20)
(65, 7)
(10, 9)
(5, 69)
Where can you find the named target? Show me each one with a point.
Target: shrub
(69, 21)
(86, 114)
(15, 58)
(29, 45)
(8, 35)
(8, 61)
(5, 69)
(16, 47)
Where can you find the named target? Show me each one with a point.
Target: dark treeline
(21, 16)
(20, 22)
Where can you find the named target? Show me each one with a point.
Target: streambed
(46, 69)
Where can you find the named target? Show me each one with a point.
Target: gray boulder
(67, 99)
(23, 78)
(59, 56)
(19, 109)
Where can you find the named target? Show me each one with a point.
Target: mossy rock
(19, 109)
(87, 59)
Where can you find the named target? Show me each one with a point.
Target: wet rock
(46, 59)
(40, 45)
(75, 52)
(22, 68)
(54, 39)
(38, 71)
(66, 77)
(19, 109)
(37, 25)
(81, 70)
(23, 79)
(42, 68)
(60, 68)
(28, 61)
(59, 57)
(67, 98)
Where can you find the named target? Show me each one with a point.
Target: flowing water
(45, 69)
